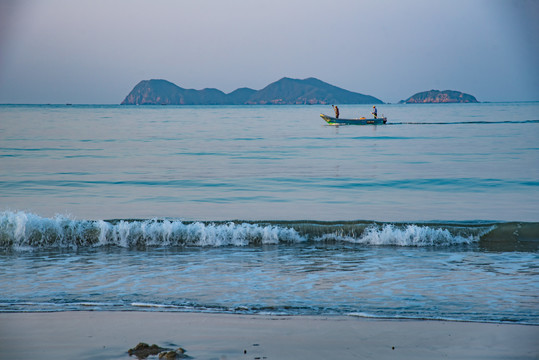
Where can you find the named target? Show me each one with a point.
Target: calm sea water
(254, 209)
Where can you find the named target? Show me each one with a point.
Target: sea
(268, 210)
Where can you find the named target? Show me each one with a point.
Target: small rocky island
(437, 96)
(285, 91)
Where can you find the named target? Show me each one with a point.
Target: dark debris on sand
(143, 351)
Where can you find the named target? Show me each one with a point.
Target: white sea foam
(404, 235)
(151, 305)
(413, 235)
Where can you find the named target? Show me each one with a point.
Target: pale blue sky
(96, 51)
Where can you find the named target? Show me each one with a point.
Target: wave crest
(26, 231)
(414, 235)
(20, 230)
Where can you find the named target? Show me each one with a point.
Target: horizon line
(118, 104)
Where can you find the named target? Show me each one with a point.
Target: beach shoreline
(109, 335)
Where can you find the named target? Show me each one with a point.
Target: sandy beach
(108, 335)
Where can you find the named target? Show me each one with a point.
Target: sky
(96, 51)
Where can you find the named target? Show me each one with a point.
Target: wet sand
(108, 335)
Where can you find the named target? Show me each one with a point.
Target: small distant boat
(361, 121)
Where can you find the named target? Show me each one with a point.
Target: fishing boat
(361, 121)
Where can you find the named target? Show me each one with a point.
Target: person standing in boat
(336, 111)
(374, 112)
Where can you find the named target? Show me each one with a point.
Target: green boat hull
(334, 121)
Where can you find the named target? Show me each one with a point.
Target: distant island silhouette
(437, 96)
(285, 91)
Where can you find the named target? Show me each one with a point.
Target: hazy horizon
(60, 51)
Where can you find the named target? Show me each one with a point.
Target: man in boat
(374, 112)
(336, 111)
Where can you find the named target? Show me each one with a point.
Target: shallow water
(313, 279)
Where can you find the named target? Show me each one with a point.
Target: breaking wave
(27, 231)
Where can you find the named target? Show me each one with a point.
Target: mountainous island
(437, 96)
(285, 91)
